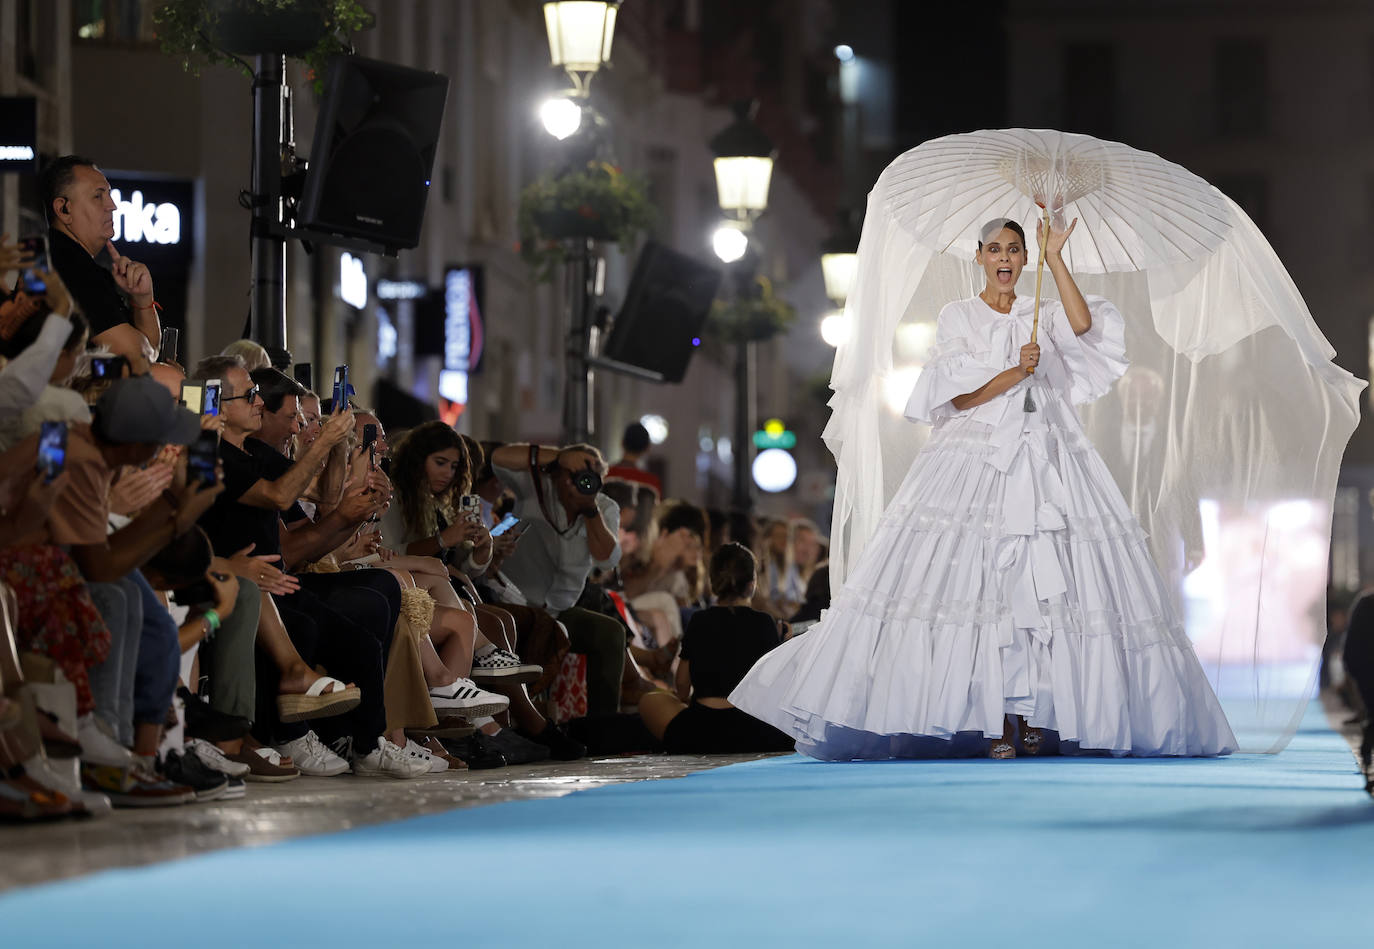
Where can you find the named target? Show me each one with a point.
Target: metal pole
(268, 311)
(577, 425)
(742, 449)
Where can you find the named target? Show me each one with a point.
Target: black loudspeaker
(373, 152)
(665, 307)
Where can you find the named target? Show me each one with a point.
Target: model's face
(1003, 257)
(441, 468)
(86, 209)
(280, 426)
(310, 421)
(238, 414)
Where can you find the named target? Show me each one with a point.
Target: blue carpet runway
(1247, 851)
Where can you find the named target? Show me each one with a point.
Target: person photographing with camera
(573, 530)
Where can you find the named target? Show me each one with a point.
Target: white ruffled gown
(1007, 576)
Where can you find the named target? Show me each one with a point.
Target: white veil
(1225, 435)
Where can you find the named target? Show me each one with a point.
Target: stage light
(844, 53)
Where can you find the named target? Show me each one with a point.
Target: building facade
(107, 91)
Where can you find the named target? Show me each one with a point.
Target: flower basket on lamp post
(597, 202)
(752, 317)
(209, 32)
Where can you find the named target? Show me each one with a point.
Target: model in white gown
(1007, 577)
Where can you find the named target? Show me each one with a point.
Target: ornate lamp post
(580, 36)
(839, 262)
(744, 158)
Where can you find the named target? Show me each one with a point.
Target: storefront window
(116, 22)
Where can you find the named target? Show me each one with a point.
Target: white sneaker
(436, 765)
(98, 746)
(465, 698)
(312, 757)
(214, 759)
(501, 665)
(390, 760)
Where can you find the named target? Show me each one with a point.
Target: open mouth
(1004, 274)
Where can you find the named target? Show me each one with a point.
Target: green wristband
(211, 617)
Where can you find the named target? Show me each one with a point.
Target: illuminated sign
(352, 281)
(137, 220)
(18, 133)
(401, 289)
(774, 435)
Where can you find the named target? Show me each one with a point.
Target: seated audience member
(781, 588)
(28, 369)
(56, 402)
(118, 303)
(573, 530)
(808, 550)
(721, 644)
(251, 354)
(217, 623)
(817, 600)
(131, 422)
(1358, 656)
(633, 464)
(343, 623)
(433, 466)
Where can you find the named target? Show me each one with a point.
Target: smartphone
(470, 506)
(167, 347)
(302, 373)
(210, 404)
(202, 459)
(507, 522)
(198, 595)
(36, 247)
(108, 367)
(370, 443)
(340, 387)
(52, 449)
(192, 396)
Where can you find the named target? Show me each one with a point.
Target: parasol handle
(1040, 273)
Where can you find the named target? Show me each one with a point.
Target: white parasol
(1226, 434)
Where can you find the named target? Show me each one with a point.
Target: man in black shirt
(118, 303)
(343, 620)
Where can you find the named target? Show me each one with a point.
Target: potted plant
(751, 317)
(203, 32)
(598, 201)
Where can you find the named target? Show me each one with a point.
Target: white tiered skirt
(1007, 576)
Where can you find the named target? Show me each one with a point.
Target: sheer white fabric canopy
(1225, 435)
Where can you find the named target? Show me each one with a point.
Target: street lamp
(840, 260)
(580, 35)
(561, 115)
(744, 164)
(729, 242)
(744, 168)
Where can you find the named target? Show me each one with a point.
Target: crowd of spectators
(212, 577)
